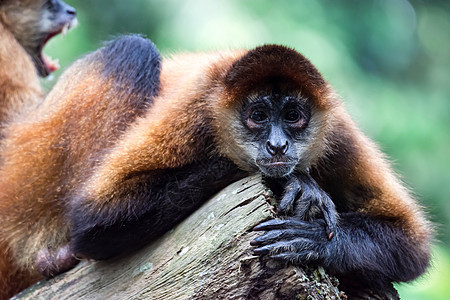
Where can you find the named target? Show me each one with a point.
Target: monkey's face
(272, 112)
(275, 126)
(34, 23)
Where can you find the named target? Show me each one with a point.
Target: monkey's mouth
(44, 63)
(276, 167)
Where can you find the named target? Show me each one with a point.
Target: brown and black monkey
(127, 144)
(25, 27)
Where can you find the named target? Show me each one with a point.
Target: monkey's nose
(70, 10)
(277, 149)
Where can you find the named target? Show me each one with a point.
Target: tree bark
(207, 256)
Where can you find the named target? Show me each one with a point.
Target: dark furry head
(277, 67)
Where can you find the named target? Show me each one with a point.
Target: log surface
(207, 256)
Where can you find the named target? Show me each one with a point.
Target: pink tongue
(52, 65)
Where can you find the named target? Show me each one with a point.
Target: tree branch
(207, 256)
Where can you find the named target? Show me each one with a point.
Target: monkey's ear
(270, 66)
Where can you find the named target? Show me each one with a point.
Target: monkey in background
(25, 27)
(126, 145)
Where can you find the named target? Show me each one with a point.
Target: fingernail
(330, 235)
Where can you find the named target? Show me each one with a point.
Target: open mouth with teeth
(44, 63)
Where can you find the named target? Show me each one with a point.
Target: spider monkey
(25, 27)
(126, 145)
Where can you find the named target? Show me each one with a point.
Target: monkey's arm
(381, 236)
(145, 206)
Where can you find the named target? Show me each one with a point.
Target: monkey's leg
(312, 201)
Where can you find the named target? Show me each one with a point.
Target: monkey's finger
(287, 202)
(264, 250)
(291, 191)
(330, 216)
(275, 236)
(309, 201)
(296, 258)
(281, 224)
(285, 246)
(302, 209)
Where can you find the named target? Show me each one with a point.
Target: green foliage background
(388, 59)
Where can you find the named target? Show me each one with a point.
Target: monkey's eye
(258, 116)
(292, 116)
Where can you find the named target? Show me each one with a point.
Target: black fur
(151, 204)
(135, 64)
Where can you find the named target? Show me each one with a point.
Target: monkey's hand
(312, 202)
(294, 241)
(373, 250)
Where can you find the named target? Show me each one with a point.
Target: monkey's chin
(277, 169)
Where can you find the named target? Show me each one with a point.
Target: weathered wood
(208, 256)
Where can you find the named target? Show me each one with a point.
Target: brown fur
(74, 142)
(385, 196)
(19, 82)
